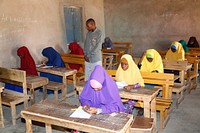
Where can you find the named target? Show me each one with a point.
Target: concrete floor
(185, 119)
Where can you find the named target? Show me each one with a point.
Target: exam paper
(121, 85)
(80, 113)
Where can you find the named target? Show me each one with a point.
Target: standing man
(92, 48)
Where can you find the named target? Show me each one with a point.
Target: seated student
(151, 61)
(100, 93)
(193, 43)
(107, 43)
(75, 49)
(27, 64)
(54, 59)
(176, 52)
(184, 45)
(129, 72)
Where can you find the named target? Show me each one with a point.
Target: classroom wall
(151, 23)
(38, 24)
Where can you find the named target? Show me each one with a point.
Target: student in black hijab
(193, 42)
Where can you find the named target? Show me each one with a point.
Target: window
(73, 24)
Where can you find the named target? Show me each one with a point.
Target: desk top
(139, 93)
(113, 51)
(61, 71)
(33, 81)
(57, 113)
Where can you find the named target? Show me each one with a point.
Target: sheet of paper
(121, 85)
(47, 66)
(80, 113)
(41, 65)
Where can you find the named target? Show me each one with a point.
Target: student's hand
(92, 110)
(129, 87)
(86, 58)
(86, 107)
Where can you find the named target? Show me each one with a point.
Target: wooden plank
(57, 113)
(11, 98)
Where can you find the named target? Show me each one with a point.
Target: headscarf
(131, 75)
(156, 64)
(178, 55)
(107, 98)
(26, 63)
(184, 45)
(54, 59)
(195, 43)
(75, 49)
(107, 43)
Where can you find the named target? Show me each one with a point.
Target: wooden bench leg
(161, 119)
(177, 99)
(1, 114)
(13, 114)
(56, 95)
(29, 126)
(32, 96)
(48, 128)
(44, 92)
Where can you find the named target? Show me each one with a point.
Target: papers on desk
(41, 65)
(80, 113)
(121, 85)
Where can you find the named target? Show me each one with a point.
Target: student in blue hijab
(55, 60)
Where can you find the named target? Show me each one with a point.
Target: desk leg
(32, 96)
(189, 83)
(153, 110)
(147, 109)
(48, 128)
(29, 126)
(1, 114)
(64, 93)
(44, 92)
(74, 81)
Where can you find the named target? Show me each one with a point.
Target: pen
(76, 109)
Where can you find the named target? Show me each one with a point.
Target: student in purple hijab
(100, 94)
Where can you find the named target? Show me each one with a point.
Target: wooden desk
(145, 94)
(124, 45)
(1, 110)
(34, 82)
(57, 113)
(117, 53)
(63, 72)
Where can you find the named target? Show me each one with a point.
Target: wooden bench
(127, 46)
(107, 61)
(163, 104)
(1, 110)
(116, 53)
(142, 125)
(54, 86)
(75, 59)
(12, 98)
(182, 67)
(193, 75)
(195, 52)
